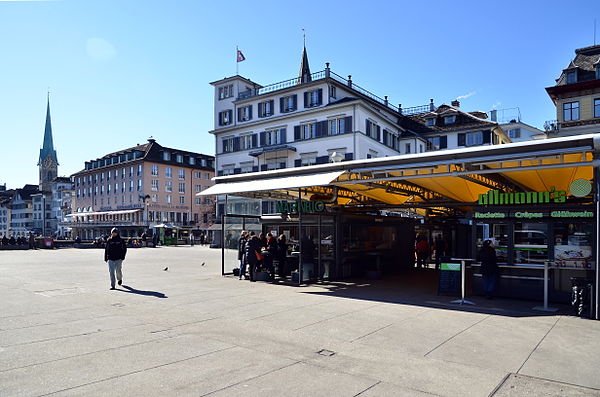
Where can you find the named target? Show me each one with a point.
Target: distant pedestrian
(31, 241)
(114, 254)
(422, 250)
(489, 268)
(202, 238)
(440, 248)
(252, 251)
(12, 241)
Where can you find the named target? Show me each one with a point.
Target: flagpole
(237, 64)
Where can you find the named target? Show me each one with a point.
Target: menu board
(450, 281)
(577, 253)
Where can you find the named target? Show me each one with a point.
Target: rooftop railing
(346, 81)
(551, 126)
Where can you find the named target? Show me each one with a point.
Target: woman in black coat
(282, 249)
(489, 268)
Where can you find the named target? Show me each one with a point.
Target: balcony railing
(551, 126)
(416, 110)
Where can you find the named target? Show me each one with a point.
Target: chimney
(455, 103)
(431, 105)
(494, 115)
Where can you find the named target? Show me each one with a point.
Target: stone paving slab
(525, 386)
(62, 330)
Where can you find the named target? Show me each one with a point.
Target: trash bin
(582, 296)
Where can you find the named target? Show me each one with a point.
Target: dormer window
(179, 158)
(430, 122)
(166, 156)
(571, 76)
(449, 119)
(226, 91)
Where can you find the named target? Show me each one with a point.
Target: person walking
(439, 247)
(241, 253)
(489, 268)
(114, 254)
(252, 249)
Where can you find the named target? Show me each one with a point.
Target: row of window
(278, 136)
(572, 75)
(168, 186)
(99, 190)
(180, 158)
(287, 104)
(100, 177)
(571, 110)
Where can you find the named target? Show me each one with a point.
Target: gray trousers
(115, 266)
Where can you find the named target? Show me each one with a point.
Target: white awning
(288, 182)
(118, 212)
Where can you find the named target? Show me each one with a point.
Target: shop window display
(573, 245)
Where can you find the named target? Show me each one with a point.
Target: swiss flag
(240, 56)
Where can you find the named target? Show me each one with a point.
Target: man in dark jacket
(114, 254)
(253, 245)
(489, 268)
(241, 253)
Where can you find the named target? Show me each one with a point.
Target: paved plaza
(189, 331)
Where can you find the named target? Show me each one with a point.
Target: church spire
(48, 147)
(304, 75)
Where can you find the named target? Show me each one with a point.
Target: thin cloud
(469, 95)
(100, 49)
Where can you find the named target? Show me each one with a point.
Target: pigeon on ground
(202, 264)
(166, 268)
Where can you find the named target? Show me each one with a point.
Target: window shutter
(281, 108)
(250, 112)
(378, 134)
(443, 142)
(272, 107)
(230, 114)
(306, 99)
(261, 110)
(221, 118)
(367, 127)
(262, 138)
(386, 137)
(296, 132)
(254, 140)
(224, 145)
(282, 135)
(348, 124)
(236, 143)
(298, 163)
(295, 102)
(321, 128)
(487, 136)
(320, 96)
(239, 115)
(461, 140)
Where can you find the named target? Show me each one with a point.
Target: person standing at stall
(271, 252)
(489, 268)
(439, 247)
(252, 249)
(422, 250)
(241, 253)
(281, 255)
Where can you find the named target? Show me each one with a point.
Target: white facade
(21, 216)
(327, 117)
(4, 218)
(519, 132)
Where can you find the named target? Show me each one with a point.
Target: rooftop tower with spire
(48, 162)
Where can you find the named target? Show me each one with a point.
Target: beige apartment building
(140, 188)
(577, 95)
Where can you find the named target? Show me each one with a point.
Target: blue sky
(121, 71)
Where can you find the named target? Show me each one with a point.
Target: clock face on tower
(48, 162)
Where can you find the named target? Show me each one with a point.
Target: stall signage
(496, 197)
(294, 207)
(533, 215)
(572, 214)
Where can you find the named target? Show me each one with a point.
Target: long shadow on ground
(141, 292)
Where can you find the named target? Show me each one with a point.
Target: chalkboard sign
(450, 278)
